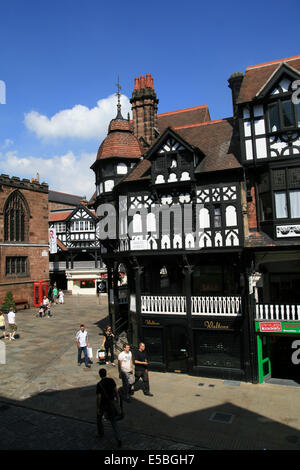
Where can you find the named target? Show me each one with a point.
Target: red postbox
(40, 289)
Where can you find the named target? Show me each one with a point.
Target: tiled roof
(120, 141)
(257, 76)
(59, 216)
(139, 171)
(216, 139)
(64, 198)
(181, 117)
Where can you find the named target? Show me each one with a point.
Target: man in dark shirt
(141, 368)
(106, 390)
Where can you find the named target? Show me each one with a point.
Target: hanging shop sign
(278, 327)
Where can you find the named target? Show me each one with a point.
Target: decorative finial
(119, 115)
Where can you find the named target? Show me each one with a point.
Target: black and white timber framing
(208, 246)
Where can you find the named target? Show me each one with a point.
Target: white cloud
(7, 143)
(68, 173)
(79, 121)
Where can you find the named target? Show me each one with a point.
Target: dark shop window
(217, 349)
(153, 339)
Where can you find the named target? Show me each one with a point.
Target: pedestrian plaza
(48, 402)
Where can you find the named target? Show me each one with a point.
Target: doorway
(264, 357)
(177, 348)
(283, 365)
(278, 357)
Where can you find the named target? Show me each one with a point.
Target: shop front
(209, 347)
(86, 282)
(278, 350)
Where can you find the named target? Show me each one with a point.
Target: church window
(16, 265)
(15, 218)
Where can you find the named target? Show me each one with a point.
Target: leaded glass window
(16, 265)
(15, 218)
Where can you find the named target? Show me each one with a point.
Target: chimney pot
(142, 81)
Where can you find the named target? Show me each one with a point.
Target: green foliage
(8, 302)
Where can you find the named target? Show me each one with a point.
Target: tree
(8, 302)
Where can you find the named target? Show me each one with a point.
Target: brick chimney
(235, 83)
(144, 109)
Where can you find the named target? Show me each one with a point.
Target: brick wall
(35, 247)
(252, 215)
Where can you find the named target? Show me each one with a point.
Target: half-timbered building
(76, 265)
(178, 232)
(268, 111)
(204, 216)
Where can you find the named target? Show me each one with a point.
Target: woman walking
(108, 344)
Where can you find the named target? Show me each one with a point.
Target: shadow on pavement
(72, 413)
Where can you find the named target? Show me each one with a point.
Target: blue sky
(60, 59)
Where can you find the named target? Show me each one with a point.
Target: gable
(280, 82)
(81, 213)
(172, 159)
(257, 77)
(171, 145)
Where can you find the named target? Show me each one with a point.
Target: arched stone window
(16, 218)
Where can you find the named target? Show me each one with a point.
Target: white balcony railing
(277, 312)
(163, 304)
(202, 305)
(217, 305)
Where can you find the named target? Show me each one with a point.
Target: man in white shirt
(125, 365)
(12, 327)
(82, 342)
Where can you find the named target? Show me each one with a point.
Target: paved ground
(48, 402)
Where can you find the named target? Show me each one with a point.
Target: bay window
(279, 194)
(286, 185)
(281, 211)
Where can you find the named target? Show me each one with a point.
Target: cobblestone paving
(24, 429)
(52, 401)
